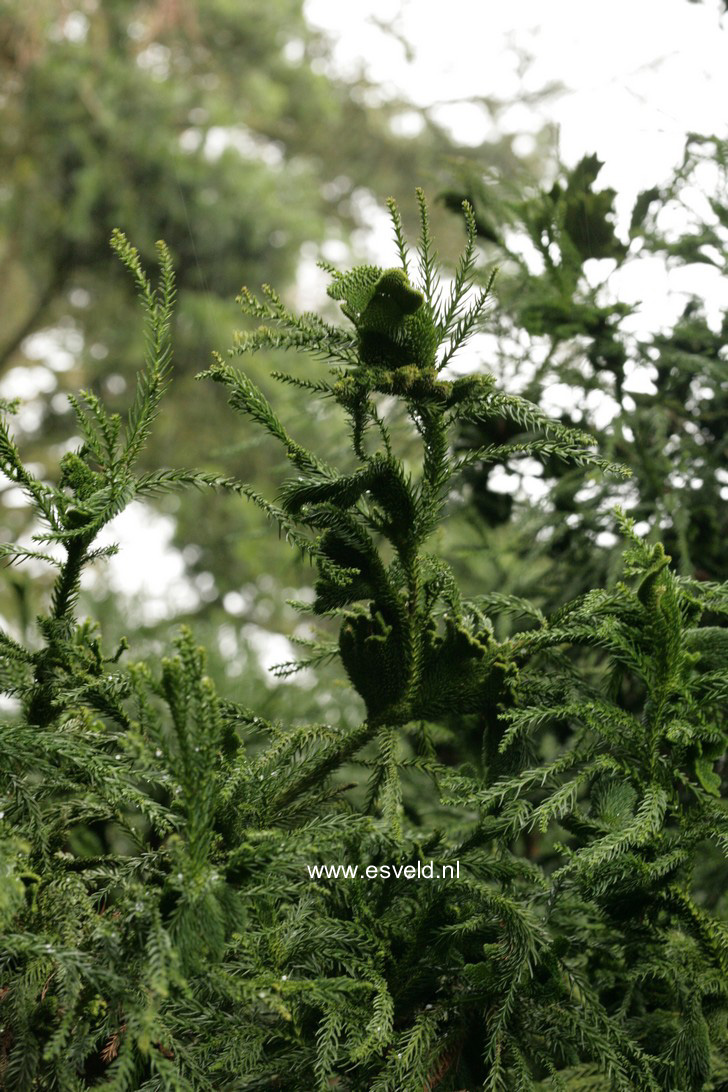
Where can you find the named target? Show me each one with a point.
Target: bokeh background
(258, 137)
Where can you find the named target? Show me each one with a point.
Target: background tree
(562, 325)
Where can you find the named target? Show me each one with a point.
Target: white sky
(639, 74)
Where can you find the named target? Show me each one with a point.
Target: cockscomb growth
(409, 643)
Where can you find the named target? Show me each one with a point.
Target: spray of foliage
(196, 950)
(561, 321)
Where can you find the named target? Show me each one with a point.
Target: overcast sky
(639, 73)
(638, 76)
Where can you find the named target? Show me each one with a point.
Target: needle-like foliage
(196, 898)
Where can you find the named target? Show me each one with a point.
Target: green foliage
(405, 640)
(168, 918)
(210, 124)
(562, 319)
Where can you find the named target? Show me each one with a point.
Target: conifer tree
(168, 918)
